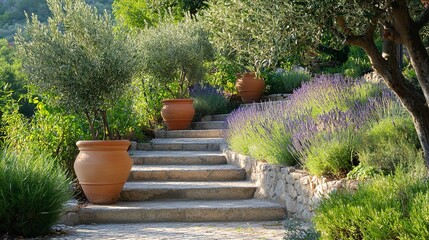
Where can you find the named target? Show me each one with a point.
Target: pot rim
(103, 144)
(178, 100)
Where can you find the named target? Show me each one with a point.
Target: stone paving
(165, 231)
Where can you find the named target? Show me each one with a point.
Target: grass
(33, 189)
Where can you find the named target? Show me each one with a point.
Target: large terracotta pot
(102, 168)
(249, 87)
(178, 113)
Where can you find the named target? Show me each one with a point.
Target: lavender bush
(285, 81)
(208, 100)
(322, 125)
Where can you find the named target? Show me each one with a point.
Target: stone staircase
(183, 176)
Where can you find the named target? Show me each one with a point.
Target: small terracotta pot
(102, 168)
(249, 87)
(178, 113)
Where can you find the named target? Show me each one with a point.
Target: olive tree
(174, 55)
(358, 22)
(77, 60)
(254, 33)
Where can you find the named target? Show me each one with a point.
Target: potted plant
(252, 33)
(82, 65)
(174, 55)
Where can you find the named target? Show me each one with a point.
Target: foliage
(126, 118)
(174, 55)
(357, 64)
(390, 142)
(323, 126)
(33, 190)
(12, 14)
(152, 93)
(256, 34)
(11, 76)
(391, 207)
(50, 131)
(208, 100)
(223, 73)
(138, 14)
(331, 155)
(77, 60)
(283, 81)
(54, 131)
(261, 131)
(361, 23)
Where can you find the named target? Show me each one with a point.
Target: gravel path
(166, 231)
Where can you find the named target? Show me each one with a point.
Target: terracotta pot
(102, 168)
(249, 87)
(178, 113)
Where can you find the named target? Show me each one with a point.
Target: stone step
(218, 117)
(262, 105)
(208, 125)
(209, 133)
(186, 173)
(177, 157)
(183, 211)
(138, 191)
(186, 144)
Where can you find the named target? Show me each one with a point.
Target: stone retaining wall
(275, 97)
(295, 189)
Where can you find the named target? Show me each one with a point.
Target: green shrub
(391, 207)
(390, 142)
(33, 191)
(286, 81)
(331, 154)
(223, 72)
(50, 130)
(357, 64)
(126, 118)
(208, 100)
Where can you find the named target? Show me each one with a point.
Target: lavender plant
(390, 139)
(320, 125)
(281, 81)
(208, 100)
(262, 131)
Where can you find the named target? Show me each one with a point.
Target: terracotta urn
(178, 113)
(249, 87)
(102, 168)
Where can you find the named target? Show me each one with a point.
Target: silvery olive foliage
(256, 34)
(174, 55)
(77, 59)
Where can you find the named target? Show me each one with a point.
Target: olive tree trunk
(402, 29)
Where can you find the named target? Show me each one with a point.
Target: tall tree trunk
(421, 122)
(412, 98)
(399, 27)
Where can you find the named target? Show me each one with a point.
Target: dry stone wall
(295, 189)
